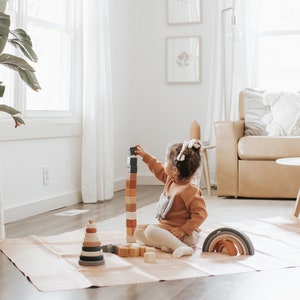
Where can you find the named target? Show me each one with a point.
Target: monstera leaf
(22, 41)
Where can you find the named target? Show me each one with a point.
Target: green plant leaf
(13, 113)
(23, 41)
(15, 62)
(8, 109)
(3, 5)
(30, 79)
(20, 65)
(4, 30)
(2, 89)
(18, 121)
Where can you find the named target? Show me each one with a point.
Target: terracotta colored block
(130, 184)
(130, 223)
(91, 230)
(130, 192)
(131, 207)
(131, 176)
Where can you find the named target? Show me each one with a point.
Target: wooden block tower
(130, 196)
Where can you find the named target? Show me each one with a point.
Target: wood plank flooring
(267, 285)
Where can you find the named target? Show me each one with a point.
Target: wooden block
(131, 223)
(142, 250)
(150, 249)
(131, 207)
(130, 192)
(132, 150)
(131, 169)
(131, 215)
(130, 184)
(122, 251)
(130, 231)
(149, 257)
(131, 176)
(130, 199)
(134, 251)
(132, 160)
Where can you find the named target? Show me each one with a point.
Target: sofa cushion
(284, 118)
(253, 110)
(268, 147)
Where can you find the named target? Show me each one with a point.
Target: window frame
(54, 122)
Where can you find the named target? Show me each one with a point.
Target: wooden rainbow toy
(228, 241)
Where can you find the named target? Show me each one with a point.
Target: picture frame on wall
(183, 59)
(184, 11)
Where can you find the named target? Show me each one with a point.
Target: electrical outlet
(46, 177)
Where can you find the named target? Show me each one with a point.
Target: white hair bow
(188, 145)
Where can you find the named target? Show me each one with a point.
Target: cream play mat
(51, 262)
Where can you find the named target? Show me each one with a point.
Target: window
(52, 26)
(278, 43)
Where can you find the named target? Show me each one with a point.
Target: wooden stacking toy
(229, 241)
(91, 254)
(130, 196)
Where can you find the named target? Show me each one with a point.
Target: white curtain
(97, 146)
(232, 61)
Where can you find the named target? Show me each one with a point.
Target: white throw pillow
(254, 111)
(284, 118)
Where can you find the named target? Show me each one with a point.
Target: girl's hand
(178, 232)
(140, 151)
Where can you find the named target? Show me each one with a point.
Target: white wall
(147, 111)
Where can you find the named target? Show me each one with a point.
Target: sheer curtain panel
(97, 145)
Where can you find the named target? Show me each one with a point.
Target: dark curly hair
(188, 167)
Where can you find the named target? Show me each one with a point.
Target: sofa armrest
(228, 134)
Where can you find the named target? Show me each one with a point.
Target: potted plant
(22, 41)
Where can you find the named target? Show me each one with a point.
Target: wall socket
(46, 177)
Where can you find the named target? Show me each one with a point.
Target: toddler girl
(181, 208)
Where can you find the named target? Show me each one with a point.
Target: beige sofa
(246, 165)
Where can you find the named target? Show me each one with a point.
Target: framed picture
(184, 11)
(183, 59)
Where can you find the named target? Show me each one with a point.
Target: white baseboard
(31, 209)
(28, 210)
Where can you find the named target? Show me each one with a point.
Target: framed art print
(183, 59)
(184, 11)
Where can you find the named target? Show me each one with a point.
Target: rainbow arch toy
(228, 241)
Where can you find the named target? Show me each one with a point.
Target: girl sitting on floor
(181, 208)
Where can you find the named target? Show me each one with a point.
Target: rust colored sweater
(188, 210)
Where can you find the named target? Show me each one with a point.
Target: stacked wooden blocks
(91, 254)
(130, 196)
(132, 250)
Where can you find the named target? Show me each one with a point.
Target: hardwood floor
(275, 284)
